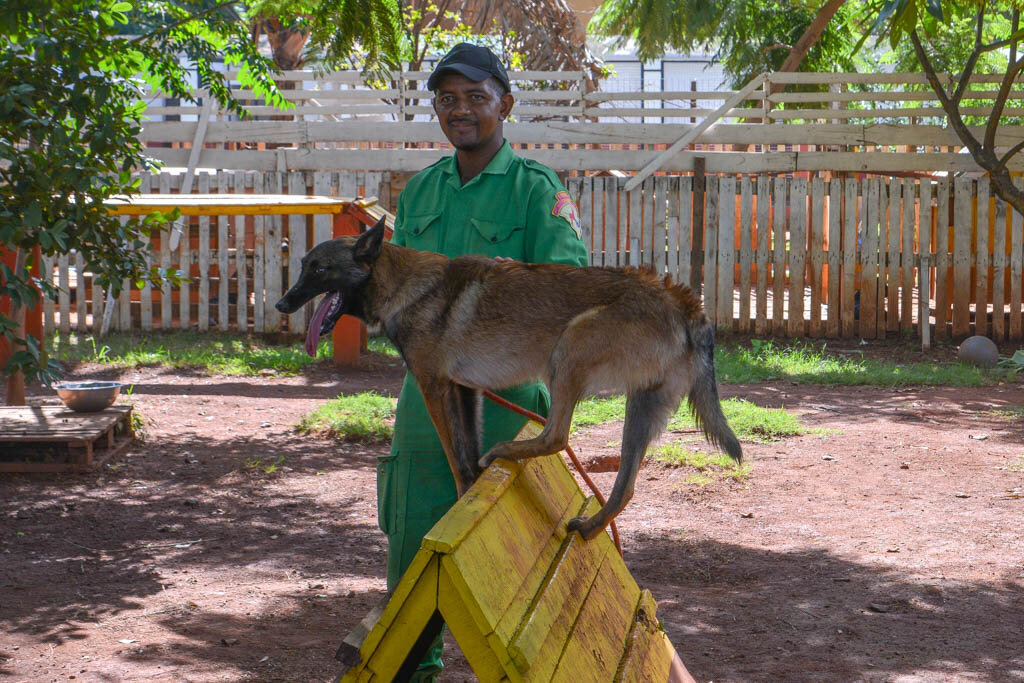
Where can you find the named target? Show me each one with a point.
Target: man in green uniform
(483, 200)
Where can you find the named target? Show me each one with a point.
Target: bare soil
(887, 547)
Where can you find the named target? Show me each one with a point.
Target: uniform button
(416, 231)
(494, 239)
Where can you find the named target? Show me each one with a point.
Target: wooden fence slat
(907, 259)
(763, 238)
(852, 188)
(185, 265)
(673, 245)
(924, 274)
(296, 250)
(943, 278)
(272, 259)
(746, 254)
(685, 229)
(779, 253)
(835, 226)
(612, 250)
(710, 254)
(146, 294)
(164, 184)
(64, 293)
(46, 264)
(963, 191)
(259, 280)
(659, 237)
(204, 260)
(726, 250)
(981, 252)
(797, 256)
(869, 261)
(634, 225)
(817, 253)
(999, 272)
(98, 299)
(322, 229)
(81, 305)
(241, 224)
(223, 251)
(1016, 271)
(892, 268)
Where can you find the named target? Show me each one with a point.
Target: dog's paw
(586, 528)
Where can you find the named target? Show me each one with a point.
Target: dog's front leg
(456, 412)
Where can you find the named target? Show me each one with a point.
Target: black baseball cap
(475, 62)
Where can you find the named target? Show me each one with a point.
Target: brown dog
(471, 323)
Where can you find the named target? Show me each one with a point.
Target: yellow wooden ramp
(524, 600)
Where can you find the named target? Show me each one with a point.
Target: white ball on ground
(978, 350)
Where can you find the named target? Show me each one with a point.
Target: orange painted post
(349, 334)
(33, 326)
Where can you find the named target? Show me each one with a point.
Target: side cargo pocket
(386, 505)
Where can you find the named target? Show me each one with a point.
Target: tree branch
(1000, 103)
(1006, 157)
(193, 17)
(972, 60)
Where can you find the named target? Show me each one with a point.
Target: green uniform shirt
(514, 208)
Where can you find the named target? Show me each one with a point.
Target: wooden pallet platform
(25, 427)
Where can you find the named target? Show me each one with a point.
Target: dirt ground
(886, 548)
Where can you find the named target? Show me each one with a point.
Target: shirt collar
(499, 165)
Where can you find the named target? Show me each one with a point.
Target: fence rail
(835, 122)
(840, 257)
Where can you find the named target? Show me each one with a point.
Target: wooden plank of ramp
(539, 604)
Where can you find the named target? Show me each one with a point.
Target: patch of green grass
(596, 411)
(710, 466)
(1019, 465)
(214, 352)
(1010, 414)
(749, 422)
(365, 416)
(382, 345)
(808, 363)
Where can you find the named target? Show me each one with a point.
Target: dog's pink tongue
(316, 322)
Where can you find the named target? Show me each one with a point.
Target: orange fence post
(33, 326)
(349, 334)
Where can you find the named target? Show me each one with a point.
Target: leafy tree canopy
(747, 36)
(71, 109)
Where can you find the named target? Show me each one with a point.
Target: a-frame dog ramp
(524, 600)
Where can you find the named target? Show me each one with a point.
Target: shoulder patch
(566, 208)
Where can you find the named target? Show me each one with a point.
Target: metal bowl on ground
(88, 397)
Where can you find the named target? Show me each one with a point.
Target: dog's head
(338, 268)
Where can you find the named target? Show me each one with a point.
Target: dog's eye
(320, 270)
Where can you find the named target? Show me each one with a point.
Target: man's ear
(368, 246)
(507, 100)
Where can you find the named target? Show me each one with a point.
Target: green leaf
(934, 8)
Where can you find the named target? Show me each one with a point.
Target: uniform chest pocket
(423, 232)
(497, 238)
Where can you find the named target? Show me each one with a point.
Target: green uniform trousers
(415, 487)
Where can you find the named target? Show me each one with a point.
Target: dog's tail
(703, 396)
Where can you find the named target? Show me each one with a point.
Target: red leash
(568, 449)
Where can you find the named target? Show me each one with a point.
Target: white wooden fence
(850, 257)
(851, 123)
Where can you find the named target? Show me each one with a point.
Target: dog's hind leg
(555, 435)
(647, 413)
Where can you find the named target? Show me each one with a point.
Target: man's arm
(553, 228)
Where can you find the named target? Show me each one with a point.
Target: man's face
(471, 113)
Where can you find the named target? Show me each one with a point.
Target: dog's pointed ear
(368, 246)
